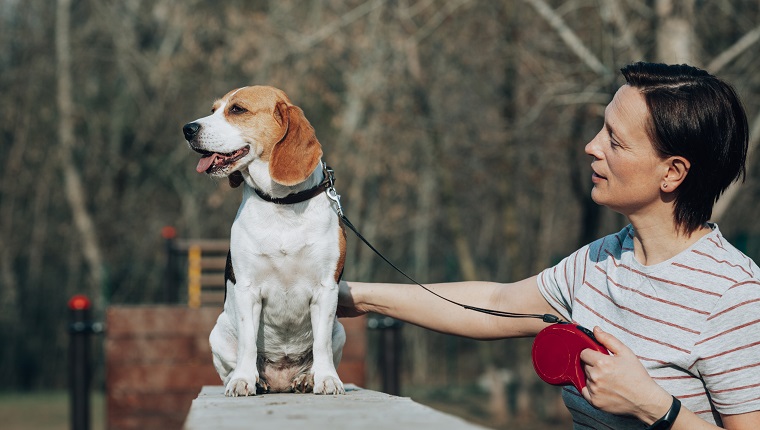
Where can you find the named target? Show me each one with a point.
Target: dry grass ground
(45, 411)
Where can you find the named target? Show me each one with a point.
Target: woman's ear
(678, 167)
(297, 154)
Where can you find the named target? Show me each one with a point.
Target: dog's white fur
(278, 329)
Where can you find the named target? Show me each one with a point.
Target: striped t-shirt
(693, 320)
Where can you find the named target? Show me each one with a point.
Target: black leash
(328, 186)
(333, 195)
(547, 318)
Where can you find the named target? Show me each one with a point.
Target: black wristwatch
(666, 422)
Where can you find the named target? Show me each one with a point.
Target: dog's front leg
(245, 377)
(329, 338)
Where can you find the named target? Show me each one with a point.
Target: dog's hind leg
(223, 343)
(338, 341)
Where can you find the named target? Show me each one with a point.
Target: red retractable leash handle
(556, 349)
(557, 354)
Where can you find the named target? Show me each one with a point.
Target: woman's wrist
(353, 291)
(660, 403)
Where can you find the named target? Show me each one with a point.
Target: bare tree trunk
(352, 118)
(548, 215)
(8, 283)
(73, 188)
(675, 32)
(424, 218)
(497, 399)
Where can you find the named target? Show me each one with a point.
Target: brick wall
(158, 358)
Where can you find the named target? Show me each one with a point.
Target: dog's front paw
(241, 385)
(329, 384)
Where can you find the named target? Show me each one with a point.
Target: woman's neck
(654, 243)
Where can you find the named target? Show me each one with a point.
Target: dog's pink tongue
(205, 162)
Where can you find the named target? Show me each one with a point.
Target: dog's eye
(237, 109)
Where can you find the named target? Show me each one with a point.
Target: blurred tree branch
(733, 51)
(569, 37)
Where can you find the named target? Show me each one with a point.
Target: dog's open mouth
(213, 161)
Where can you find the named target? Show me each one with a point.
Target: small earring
(664, 186)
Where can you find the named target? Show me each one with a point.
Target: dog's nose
(191, 130)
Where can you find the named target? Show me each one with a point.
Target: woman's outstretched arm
(411, 303)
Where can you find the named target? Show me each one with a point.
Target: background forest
(456, 130)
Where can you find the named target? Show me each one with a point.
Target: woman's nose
(592, 148)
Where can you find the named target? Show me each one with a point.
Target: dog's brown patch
(342, 248)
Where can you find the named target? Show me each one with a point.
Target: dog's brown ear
(235, 178)
(298, 153)
(281, 115)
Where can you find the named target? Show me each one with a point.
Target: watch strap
(666, 422)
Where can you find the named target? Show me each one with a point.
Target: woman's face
(627, 170)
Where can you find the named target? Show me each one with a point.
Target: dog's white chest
(277, 247)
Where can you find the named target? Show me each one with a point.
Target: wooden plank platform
(357, 409)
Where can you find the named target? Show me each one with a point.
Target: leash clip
(331, 193)
(334, 196)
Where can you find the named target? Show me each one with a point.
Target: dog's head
(253, 123)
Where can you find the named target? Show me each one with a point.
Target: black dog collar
(304, 195)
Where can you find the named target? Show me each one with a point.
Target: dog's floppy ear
(235, 178)
(298, 153)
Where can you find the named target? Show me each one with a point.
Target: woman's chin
(597, 197)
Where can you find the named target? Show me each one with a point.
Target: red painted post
(80, 329)
(171, 284)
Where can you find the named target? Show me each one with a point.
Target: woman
(676, 305)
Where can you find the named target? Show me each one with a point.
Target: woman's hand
(619, 383)
(346, 303)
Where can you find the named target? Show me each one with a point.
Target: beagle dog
(278, 331)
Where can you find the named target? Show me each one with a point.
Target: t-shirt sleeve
(557, 284)
(728, 350)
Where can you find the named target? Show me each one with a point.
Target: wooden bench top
(357, 409)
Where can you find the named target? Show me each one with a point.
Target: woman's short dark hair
(699, 117)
